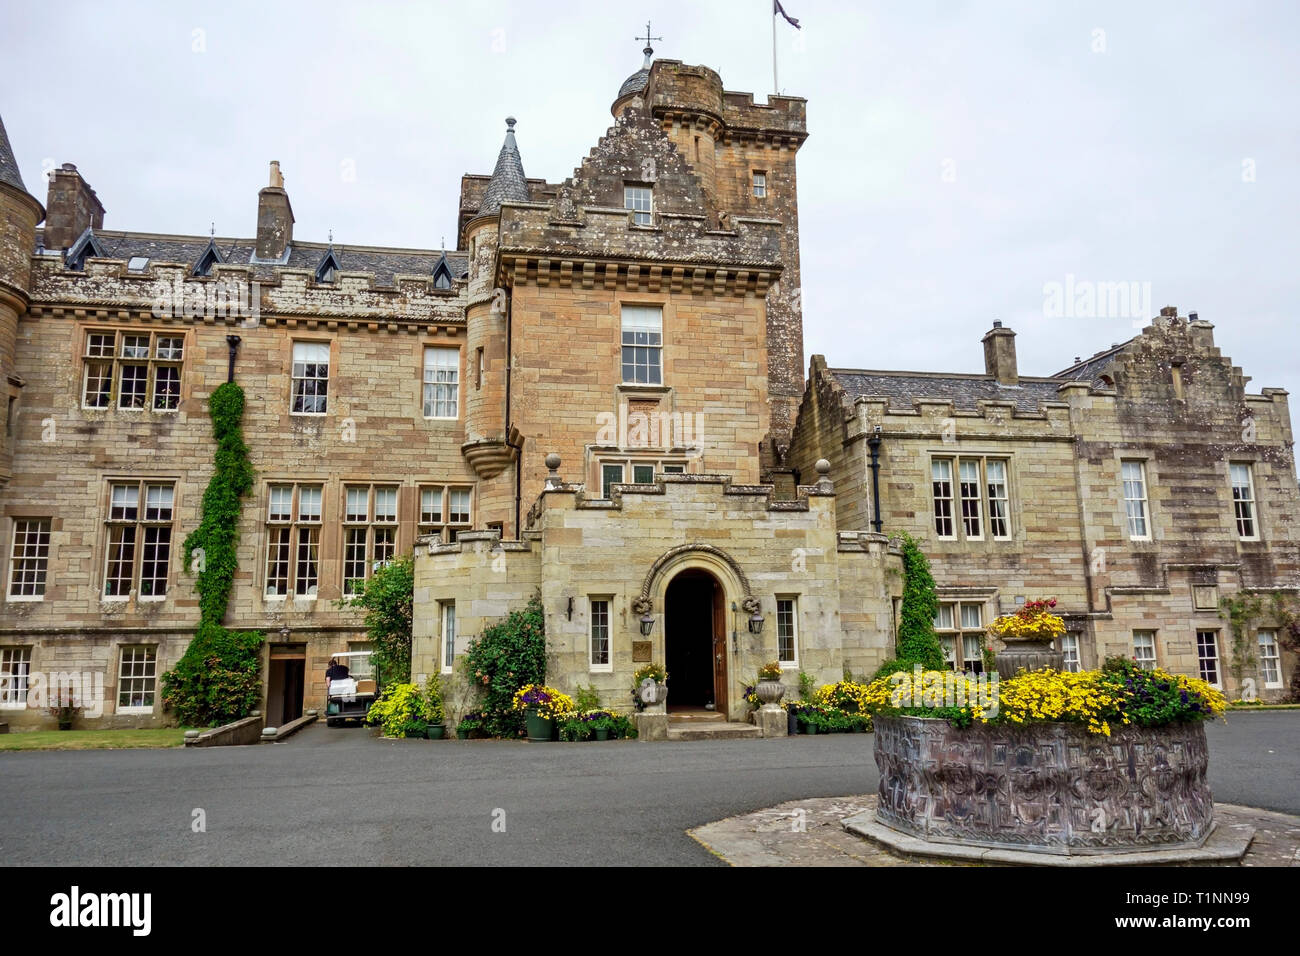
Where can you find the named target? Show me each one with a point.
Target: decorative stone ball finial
(824, 485)
(510, 123)
(553, 467)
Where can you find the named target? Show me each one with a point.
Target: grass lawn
(92, 739)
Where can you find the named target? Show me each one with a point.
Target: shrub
(586, 698)
(505, 657)
(400, 711)
(387, 597)
(434, 711)
(807, 685)
(917, 643)
(217, 680)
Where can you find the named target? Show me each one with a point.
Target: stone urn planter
(1045, 787)
(1027, 655)
(770, 692)
(654, 695)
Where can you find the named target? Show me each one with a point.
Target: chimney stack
(70, 207)
(1000, 355)
(274, 219)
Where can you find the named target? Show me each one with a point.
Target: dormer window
(82, 249)
(211, 256)
(640, 200)
(442, 273)
(328, 269)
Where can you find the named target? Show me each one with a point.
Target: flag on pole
(777, 8)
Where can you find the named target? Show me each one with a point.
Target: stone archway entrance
(695, 642)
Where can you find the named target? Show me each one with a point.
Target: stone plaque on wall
(640, 652)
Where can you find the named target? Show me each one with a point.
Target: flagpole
(776, 86)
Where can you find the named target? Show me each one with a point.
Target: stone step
(710, 730)
(697, 716)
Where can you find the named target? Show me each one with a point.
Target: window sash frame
(1206, 662)
(286, 545)
(1244, 509)
(1269, 653)
(139, 524)
(954, 634)
(1140, 503)
(1142, 659)
(149, 663)
(633, 198)
(447, 635)
(115, 361)
(21, 573)
(319, 391)
(606, 604)
(15, 676)
(791, 626)
(431, 388)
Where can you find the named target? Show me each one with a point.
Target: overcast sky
(961, 155)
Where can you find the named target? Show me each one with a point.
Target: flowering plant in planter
(770, 671)
(1034, 621)
(655, 672)
(548, 702)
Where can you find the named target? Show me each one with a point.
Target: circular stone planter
(1049, 787)
(769, 692)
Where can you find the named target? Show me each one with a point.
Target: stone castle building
(597, 396)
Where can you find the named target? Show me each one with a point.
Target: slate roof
(638, 80)
(508, 183)
(381, 263)
(1090, 370)
(901, 388)
(9, 174)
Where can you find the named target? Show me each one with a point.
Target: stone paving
(811, 833)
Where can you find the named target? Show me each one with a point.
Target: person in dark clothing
(336, 671)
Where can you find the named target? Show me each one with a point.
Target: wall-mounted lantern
(647, 624)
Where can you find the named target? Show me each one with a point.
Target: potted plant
(650, 688)
(541, 705)
(468, 725)
(769, 689)
(65, 708)
(434, 713)
(603, 725)
(1030, 636)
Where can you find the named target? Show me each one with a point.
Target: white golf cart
(349, 698)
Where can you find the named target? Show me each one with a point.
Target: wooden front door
(719, 650)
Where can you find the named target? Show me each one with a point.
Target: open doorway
(285, 682)
(695, 643)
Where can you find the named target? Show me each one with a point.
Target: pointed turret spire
(9, 174)
(508, 183)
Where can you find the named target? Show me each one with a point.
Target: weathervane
(647, 38)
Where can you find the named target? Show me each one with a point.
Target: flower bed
(1047, 760)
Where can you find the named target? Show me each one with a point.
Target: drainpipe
(874, 444)
(233, 342)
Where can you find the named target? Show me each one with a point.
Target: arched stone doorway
(695, 641)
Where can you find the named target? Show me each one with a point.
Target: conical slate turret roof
(508, 183)
(9, 174)
(638, 80)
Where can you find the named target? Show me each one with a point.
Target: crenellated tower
(743, 155)
(20, 213)
(489, 446)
